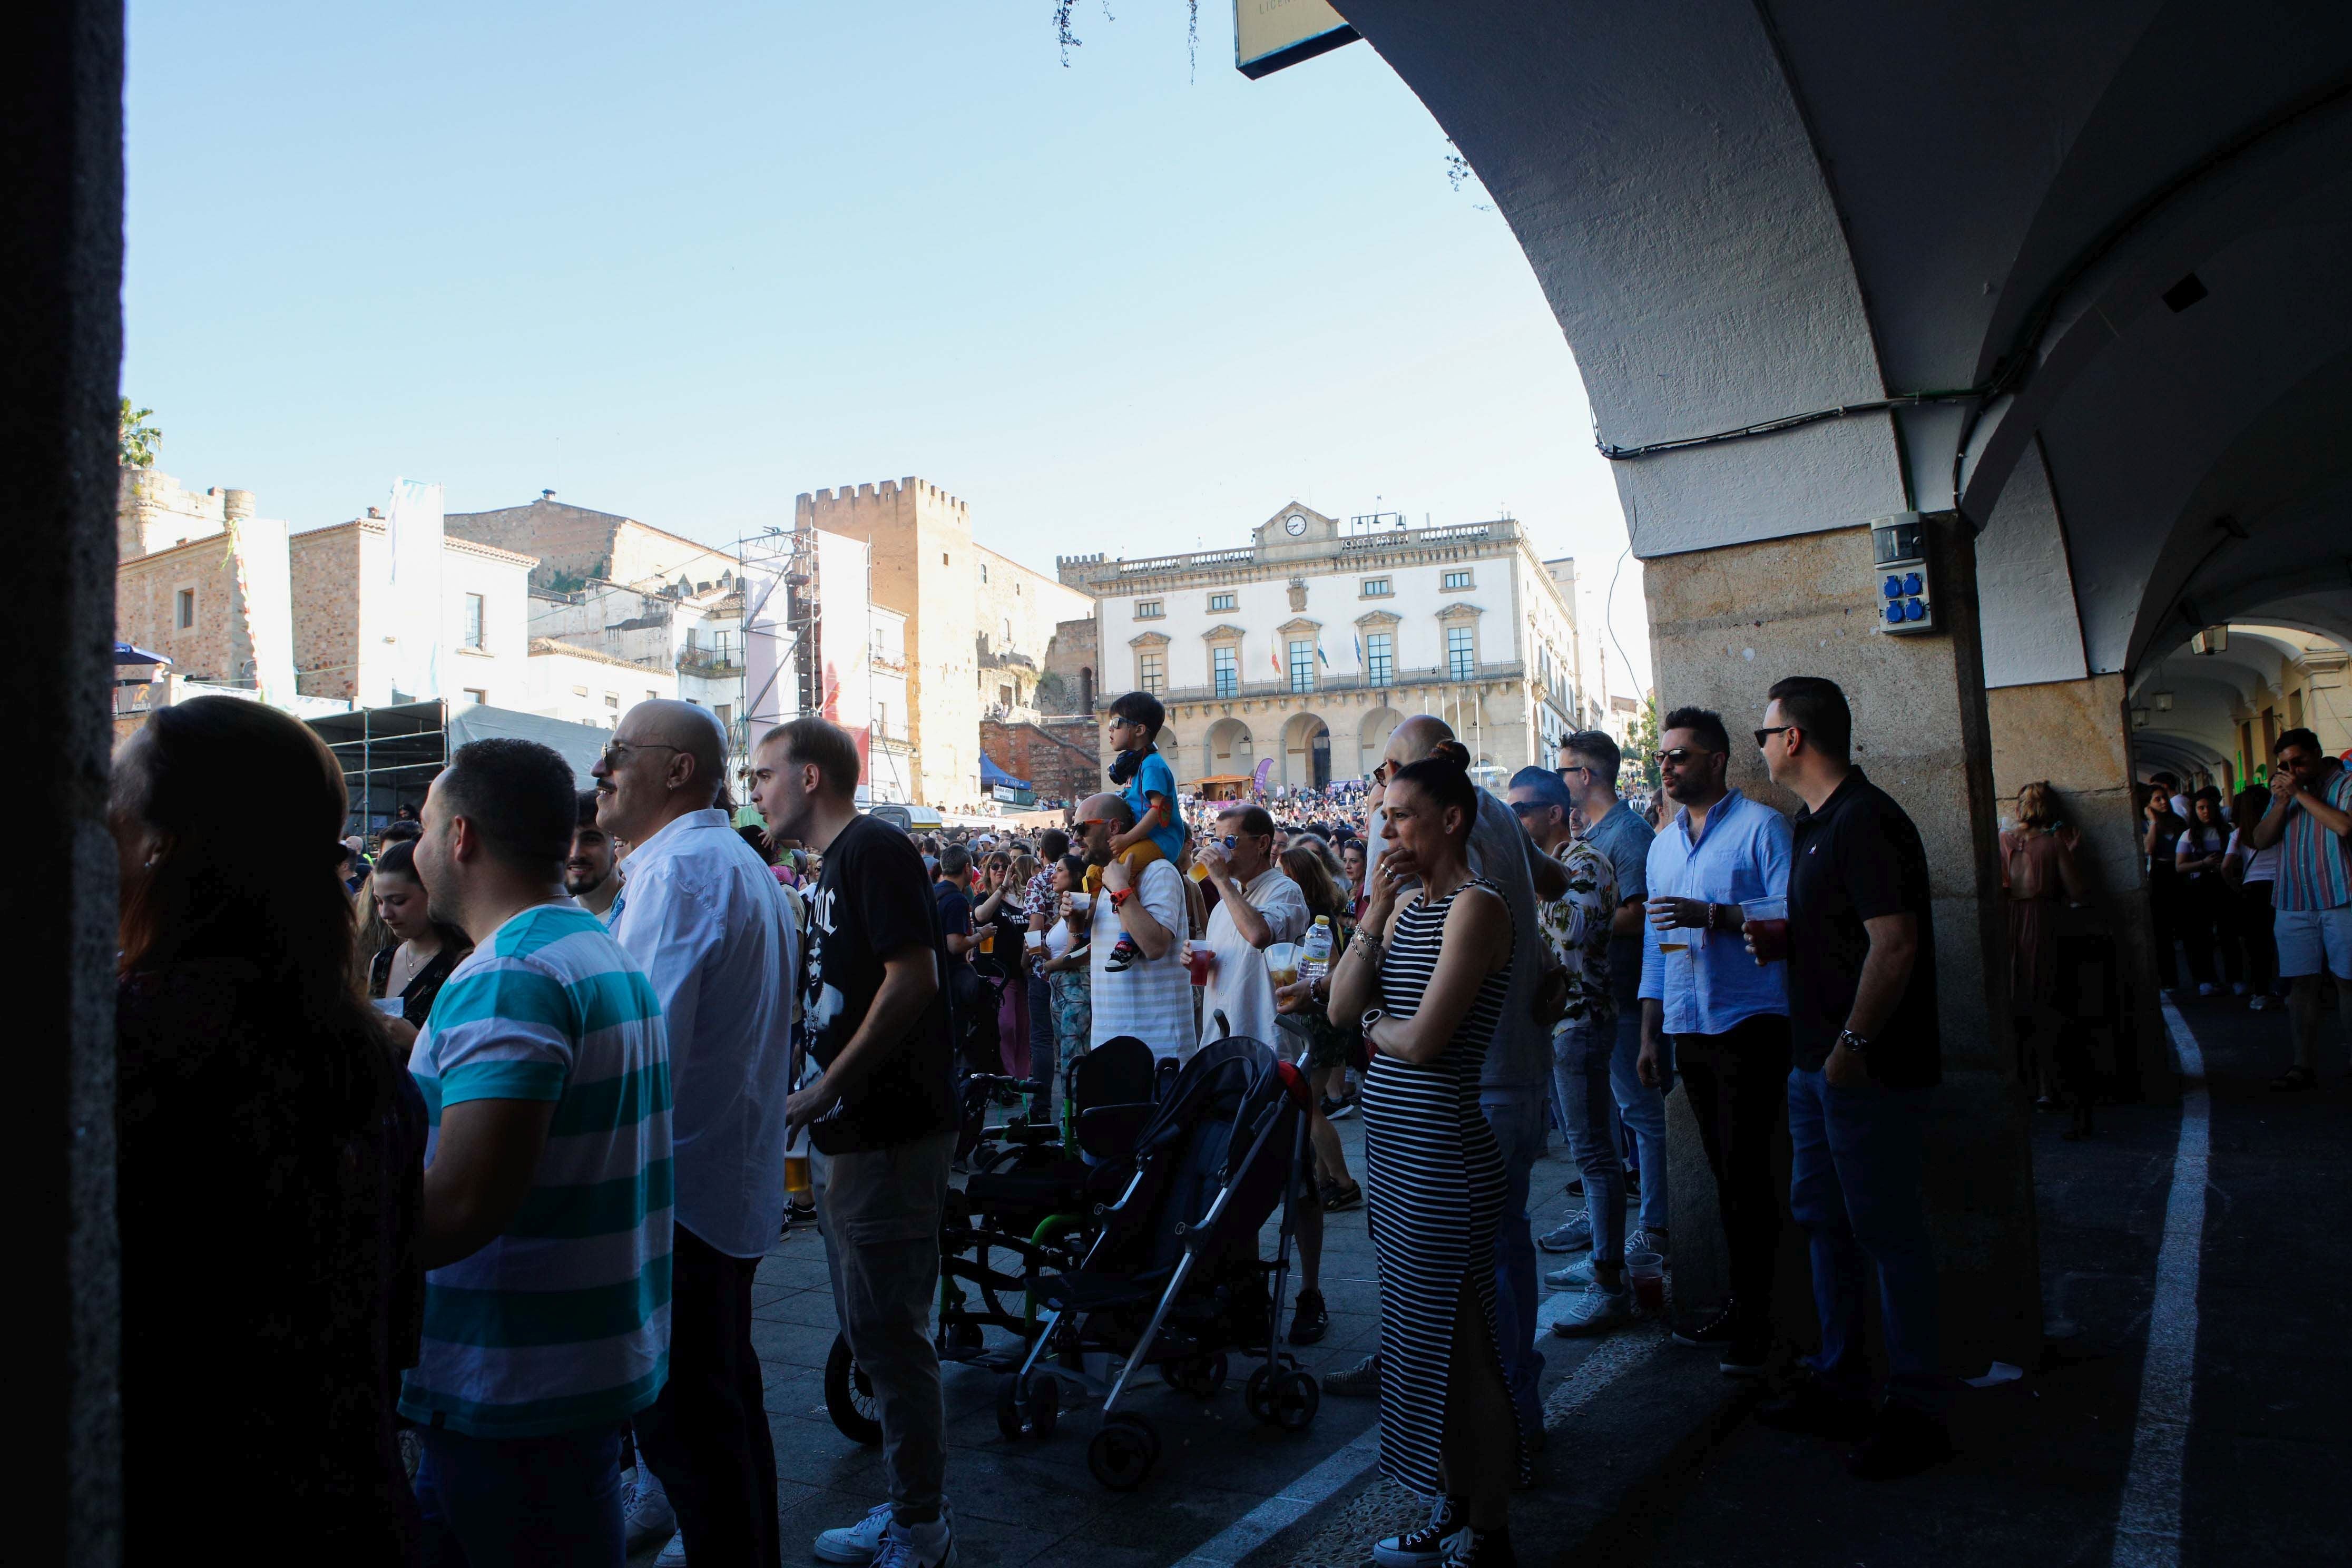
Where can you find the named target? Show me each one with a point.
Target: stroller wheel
(849, 1396)
(958, 1338)
(1204, 1375)
(1257, 1394)
(1041, 1417)
(1296, 1397)
(1123, 1452)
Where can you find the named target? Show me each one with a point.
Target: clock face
(1296, 524)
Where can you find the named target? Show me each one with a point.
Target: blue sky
(685, 265)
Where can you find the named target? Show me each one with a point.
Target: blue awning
(125, 654)
(991, 775)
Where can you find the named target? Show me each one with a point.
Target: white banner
(413, 607)
(845, 651)
(265, 588)
(769, 698)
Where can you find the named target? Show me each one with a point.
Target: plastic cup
(1036, 938)
(1646, 1272)
(1201, 960)
(1282, 962)
(796, 1175)
(1768, 927)
(988, 937)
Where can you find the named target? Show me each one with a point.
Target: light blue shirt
(1713, 986)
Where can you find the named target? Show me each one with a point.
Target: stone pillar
(2074, 735)
(1725, 624)
(60, 355)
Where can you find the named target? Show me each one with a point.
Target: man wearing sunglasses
(705, 920)
(1589, 765)
(1727, 1015)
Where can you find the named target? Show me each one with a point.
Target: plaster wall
(2025, 587)
(581, 685)
(1726, 624)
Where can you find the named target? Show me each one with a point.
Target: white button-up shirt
(707, 923)
(1152, 998)
(1238, 983)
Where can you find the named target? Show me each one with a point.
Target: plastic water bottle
(1315, 957)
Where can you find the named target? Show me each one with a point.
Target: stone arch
(1171, 746)
(1372, 737)
(1227, 748)
(1305, 752)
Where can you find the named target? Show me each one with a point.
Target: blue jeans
(1517, 1117)
(1644, 1110)
(1859, 1154)
(1581, 1054)
(1042, 1054)
(530, 1501)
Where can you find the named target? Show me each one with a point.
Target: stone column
(1725, 624)
(60, 355)
(2074, 735)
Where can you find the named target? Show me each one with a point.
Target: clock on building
(1295, 524)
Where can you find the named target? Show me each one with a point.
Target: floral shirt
(1577, 926)
(1039, 899)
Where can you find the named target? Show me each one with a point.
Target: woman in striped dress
(1426, 975)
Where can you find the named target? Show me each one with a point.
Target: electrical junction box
(1904, 600)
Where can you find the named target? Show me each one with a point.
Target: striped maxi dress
(1434, 1184)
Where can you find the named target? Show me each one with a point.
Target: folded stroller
(1173, 1279)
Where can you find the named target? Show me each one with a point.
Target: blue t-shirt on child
(1156, 777)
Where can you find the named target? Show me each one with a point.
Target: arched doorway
(1307, 753)
(1372, 738)
(1228, 748)
(1172, 748)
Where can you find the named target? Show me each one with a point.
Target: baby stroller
(1030, 1204)
(1172, 1279)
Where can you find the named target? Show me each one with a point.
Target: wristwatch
(1371, 1016)
(1853, 1042)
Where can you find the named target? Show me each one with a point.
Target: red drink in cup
(1768, 927)
(1201, 959)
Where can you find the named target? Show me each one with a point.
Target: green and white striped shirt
(561, 1322)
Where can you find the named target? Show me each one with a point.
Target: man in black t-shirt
(877, 1096)
(1866, 1054)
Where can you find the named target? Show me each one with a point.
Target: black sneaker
(1311, 1319)
(1337, 1110)
(1816, 1412)
(1905, 1442)
(1122, 954)
(1428, 1545)
(1710, 1332)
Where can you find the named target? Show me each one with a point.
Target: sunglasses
(616, 753)
(1764, 735)
(1681, 755)
(1526, 808)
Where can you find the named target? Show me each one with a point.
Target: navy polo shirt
(1856, 858)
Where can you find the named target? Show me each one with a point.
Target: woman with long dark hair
(1424, 980)
(1329, 1050)
(269, 1148)
(409, 969)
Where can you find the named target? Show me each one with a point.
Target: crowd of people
(516, 1109)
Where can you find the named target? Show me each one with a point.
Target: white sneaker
(1596, 1311)
(1649, 1241)
(2207, 988)
(1575, 1276)
(2260, 1004)
(648, 1513)
(674, 1554)
(2237, 988)
(855, 1544)
(928, 1546)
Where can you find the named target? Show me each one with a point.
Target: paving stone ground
(1036, 1502)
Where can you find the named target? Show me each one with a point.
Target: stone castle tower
(923, 567)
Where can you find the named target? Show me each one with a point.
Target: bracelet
(1119, 896)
